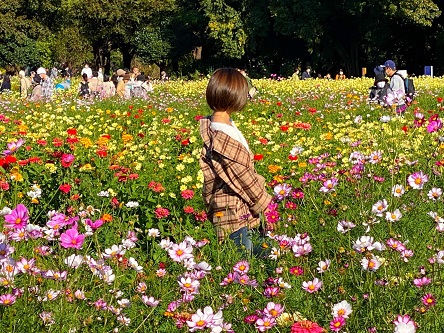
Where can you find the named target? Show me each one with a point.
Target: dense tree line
(185, 36)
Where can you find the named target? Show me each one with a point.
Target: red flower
(439, 99)
(65, 188)
(4, 185)
(405, 128)
(57, 142)
(186, 142)
(284, 128)
(42, 142)
(101, 152)
(71, 131)
(264, 141)
(258, 157)
(72, 140)
(292, 157)
(312, 110)
(279, 103)
(198, 117)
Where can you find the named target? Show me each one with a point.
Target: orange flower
(106, 217)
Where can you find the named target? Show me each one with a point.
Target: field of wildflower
(104, 229)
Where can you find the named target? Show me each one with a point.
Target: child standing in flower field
(233, 192)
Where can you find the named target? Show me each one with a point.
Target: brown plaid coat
(233, 192)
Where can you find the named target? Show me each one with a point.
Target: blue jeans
(242, 237)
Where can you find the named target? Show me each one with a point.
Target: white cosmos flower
(393, 216)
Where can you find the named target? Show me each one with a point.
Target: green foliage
(152, 46)
(226, 28)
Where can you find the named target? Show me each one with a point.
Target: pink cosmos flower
(273, 310)
(424, 281)
(282, 191)
(72, 238)
(241, 267)
(25, 265)
(417, 180)
(337, 323)
(180, 252)
(329, 185)
(7, 299)
(264, 324)
(13, 146)
(18, 218)
(312, 286)
(150, 301)
(404, 324)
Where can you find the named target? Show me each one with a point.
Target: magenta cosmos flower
(72, 238)
(18, 218)
(337, 323)
(428, 300)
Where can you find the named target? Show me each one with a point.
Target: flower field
(104, 229)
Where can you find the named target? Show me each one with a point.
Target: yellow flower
(86, 167)
(86, 142)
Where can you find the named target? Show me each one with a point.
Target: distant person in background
(6, 84)
(306, 74)
(100, 74)
(396, 93)
(109, 88)
(340, 75)
(95, 85)
(163, 76)
(295, 75)
(379, 90)
(47, 83)
(36, 93)
(252, 90)
(25, 85)
(139, 89)
(120, 88)
(84, 90)
(328, 76)
(87, 70)
(136, 72)
(54, 73)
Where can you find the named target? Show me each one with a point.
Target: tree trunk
(128, 55)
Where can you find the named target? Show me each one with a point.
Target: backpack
(409, 89)
(84, 89)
